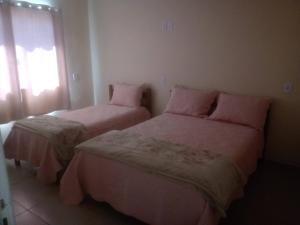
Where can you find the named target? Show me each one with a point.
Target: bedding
(208, 172)
(246, 110)
(190, 102)
(62, 134)
(153, 198)
(42, 150)
(127, 95)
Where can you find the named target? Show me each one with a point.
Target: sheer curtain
(34, 51)
(10, 99)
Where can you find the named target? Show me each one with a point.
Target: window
(32, 66)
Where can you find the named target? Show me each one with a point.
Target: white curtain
(10, 101)
(40, 83)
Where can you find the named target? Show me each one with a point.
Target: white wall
(76, 31)
(247, 47)
(77, 49)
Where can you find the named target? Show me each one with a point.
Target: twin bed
(28, 143)
(183, 167)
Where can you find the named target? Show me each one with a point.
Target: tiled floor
(272, 198)
(38, 204)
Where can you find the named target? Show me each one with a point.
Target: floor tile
(106, 215)
(53, 211)
(18, 208)
(21, 173)
(30, 192)
(28, 218)
(271, 197)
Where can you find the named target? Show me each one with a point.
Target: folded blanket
(63, 134)
(213, 174)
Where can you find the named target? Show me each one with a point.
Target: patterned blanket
(213, 174)
(63, 134)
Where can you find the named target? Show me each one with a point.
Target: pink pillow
(190, 102)
(246, 110)
(127, 95)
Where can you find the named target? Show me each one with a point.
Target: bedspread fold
(215, 175)
(63, 134)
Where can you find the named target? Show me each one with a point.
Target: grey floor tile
(18, 208)
(29, 218)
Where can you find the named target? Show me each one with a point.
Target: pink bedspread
(151, 198)
(24, 145)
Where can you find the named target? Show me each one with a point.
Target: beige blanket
(63, 134)
(212, 174)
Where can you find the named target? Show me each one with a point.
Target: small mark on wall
(167, 26)
(288, 87)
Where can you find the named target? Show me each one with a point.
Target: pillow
(127, 95)
(190, 102)
(246, 110)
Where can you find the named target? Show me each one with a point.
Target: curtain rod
(30, 5)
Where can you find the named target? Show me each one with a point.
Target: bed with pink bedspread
(152, 198)
(22, 144)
